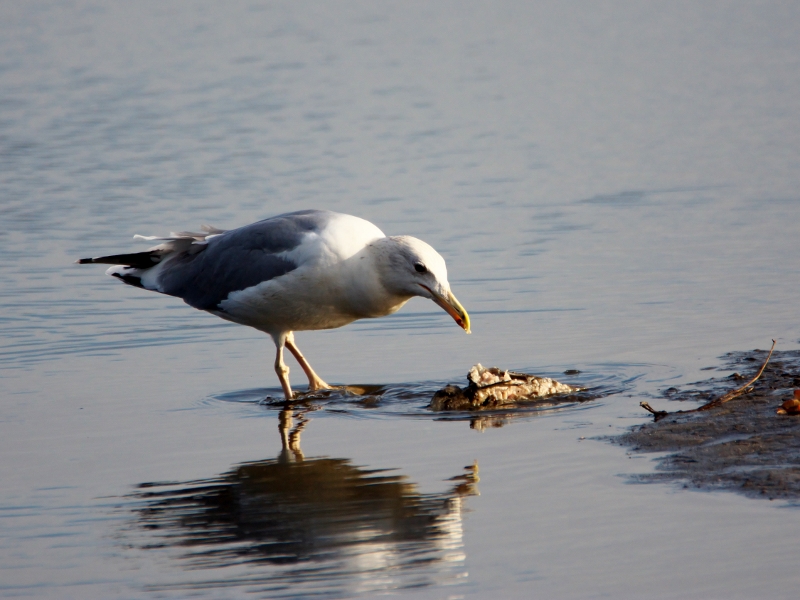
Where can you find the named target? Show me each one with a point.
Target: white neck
(366, 283)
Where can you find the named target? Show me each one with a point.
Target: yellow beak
(452, 307)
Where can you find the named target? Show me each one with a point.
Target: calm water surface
(614, 187)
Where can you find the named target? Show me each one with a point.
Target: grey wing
(239, 259)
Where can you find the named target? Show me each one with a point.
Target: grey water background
(614, 186)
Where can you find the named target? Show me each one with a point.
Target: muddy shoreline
(741, 446)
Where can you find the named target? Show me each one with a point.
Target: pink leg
(283, 371)
(314, 381)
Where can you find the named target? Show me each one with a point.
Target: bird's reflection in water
(318, 526)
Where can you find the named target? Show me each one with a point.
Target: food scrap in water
(492, 387)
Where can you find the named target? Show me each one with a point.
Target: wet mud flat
(742, 445)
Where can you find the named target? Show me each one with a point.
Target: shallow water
(614, 187)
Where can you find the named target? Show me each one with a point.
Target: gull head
(412, 268)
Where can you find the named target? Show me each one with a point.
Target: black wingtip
(137, 260)
(129, 279)
(83, 261)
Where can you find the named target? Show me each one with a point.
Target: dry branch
(660, 414)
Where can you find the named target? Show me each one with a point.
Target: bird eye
(420, 268)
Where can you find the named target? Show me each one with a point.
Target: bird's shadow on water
(412, 400)
(293, 526)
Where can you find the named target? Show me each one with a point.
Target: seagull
(299, 271)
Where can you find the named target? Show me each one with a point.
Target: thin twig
(737, 392)
(659, 414)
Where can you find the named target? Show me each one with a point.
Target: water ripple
(410, 400)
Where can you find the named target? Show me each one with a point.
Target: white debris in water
(508, 386)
